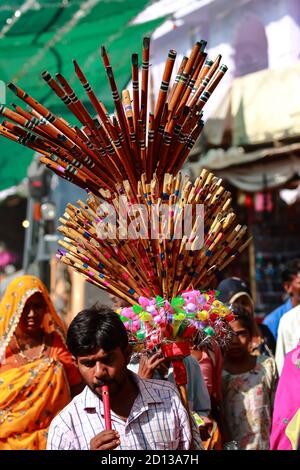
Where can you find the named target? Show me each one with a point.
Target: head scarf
(12, 306)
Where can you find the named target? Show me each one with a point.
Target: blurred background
(251, 136)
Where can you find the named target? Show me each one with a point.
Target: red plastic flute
(106, 406)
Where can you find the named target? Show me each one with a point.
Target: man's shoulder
(161, 386)
(278, 312)
(290, 316)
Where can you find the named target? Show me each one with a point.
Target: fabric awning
(257, 175)
(47, 35)
(218, 159)
(258, 108)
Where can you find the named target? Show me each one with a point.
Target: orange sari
(33, 393)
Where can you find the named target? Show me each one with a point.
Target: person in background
(291, 284)
(36, 369)
(234, 291)
(145, 414)
(153, 365)
(248, 389)
(285, 434)
(210, 361)
(288, 335)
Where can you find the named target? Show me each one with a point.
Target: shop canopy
(258, 108)
(261, 174)
(260, 111)
(38, 35)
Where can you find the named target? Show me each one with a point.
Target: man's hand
(148, 365)
(105, 440)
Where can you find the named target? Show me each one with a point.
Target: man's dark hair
(94, 328)
(292, 268)
(242, 316)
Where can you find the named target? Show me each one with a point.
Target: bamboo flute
(62, 95)
(135, 92)
(54, 120)
(135, 156)
(205, 76)
(177, 78)
(97, 105)
(84, 116)
(117, 100)
(149, 153)
(164, 88)
(144, 85)
(180, 88)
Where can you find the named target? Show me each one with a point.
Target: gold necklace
(32, 358)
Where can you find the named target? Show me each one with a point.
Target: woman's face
(33, 314)
(240, 341)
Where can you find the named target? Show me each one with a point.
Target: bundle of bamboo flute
(134, 157)
(104, 149)
(139, 254)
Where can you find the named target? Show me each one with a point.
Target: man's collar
(145, 395)
(147, 392)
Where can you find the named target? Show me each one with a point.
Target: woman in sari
(285, 434)
(36, 369)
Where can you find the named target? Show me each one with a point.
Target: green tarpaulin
(47, 35)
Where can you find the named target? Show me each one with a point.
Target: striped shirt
(157, 420)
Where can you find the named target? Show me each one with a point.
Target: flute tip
(203, 45)
(12, 87)
(46, 76)
(76, 67)
(172, 54)
(103, 51)
(135, 59)
(146, 42)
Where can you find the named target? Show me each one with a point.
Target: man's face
(104, 368)
(293, 288)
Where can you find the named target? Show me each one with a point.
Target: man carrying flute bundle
(144, 414)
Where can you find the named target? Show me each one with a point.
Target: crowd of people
(243, 396)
